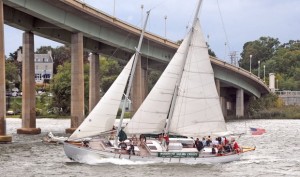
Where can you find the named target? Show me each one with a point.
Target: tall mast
(197, 12)
(175, 94)
(136, 57)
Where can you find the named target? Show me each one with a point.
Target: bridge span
(86, 28)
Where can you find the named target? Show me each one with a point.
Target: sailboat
(184, 103)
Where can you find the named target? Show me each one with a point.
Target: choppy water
(277, 154)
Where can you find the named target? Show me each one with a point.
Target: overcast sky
(232, 21)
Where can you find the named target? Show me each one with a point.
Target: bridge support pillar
(223, 106)
(138, 92)
(77, 82)
(3, 137)
(94, 88)
(28, 87)
(217, 81)
(240, 103)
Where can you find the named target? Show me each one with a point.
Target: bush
(286, 112)
(271, 107)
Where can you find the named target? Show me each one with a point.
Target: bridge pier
(138, 92)
(94, 88)
(240, 103)
(223, 106)
(3, 137)
(28, 87)
(221, 99)
(217, 81)
(77, 82)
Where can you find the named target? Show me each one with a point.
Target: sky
(226, 24)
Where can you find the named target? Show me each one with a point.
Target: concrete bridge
(85, 28)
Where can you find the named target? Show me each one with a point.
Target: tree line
(283, 59)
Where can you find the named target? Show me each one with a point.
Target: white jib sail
(197, 109)
(102, 117)
(152, 114)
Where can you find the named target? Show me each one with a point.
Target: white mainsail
(152, 114)
(197, 110)
(102, 117)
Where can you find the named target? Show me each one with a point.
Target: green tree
(282, 59)
(286, 63)
(11, 73)
(153, 77)
(61, 82)
(13, 69)
(264, 103)
(211, 53)
(61, 87)
(109, 71)
(261, 49)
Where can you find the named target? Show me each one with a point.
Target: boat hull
(85, 154)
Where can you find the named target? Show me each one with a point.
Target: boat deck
(104, 145)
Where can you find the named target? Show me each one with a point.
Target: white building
(43, 64)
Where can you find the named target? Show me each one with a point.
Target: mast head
(197, 12)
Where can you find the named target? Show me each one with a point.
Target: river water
(277, 154)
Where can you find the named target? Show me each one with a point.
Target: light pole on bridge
(250, 62)
(142, 7)
(114, 8)
(166, 27)
(258, 68)
(264, 73)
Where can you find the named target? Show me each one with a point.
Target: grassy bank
(286, 112)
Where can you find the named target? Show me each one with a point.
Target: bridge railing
(239, 70)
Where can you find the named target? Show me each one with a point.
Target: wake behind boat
(184, 103)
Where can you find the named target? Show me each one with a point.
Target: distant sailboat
(183, 103)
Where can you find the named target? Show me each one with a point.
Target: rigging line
(115, 51)
(127, 37)
(223, 25)
(159, 4)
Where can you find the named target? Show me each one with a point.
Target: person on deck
(226, 145)
(196, 143)
(123, 145)
(85, 143)
(131, 148)
(208, 141)
(134, 140)
(199, 144)
(215, 142)
(167, 140)
(204, 142)
(142, 139)
(236, 147)
(113, 132)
